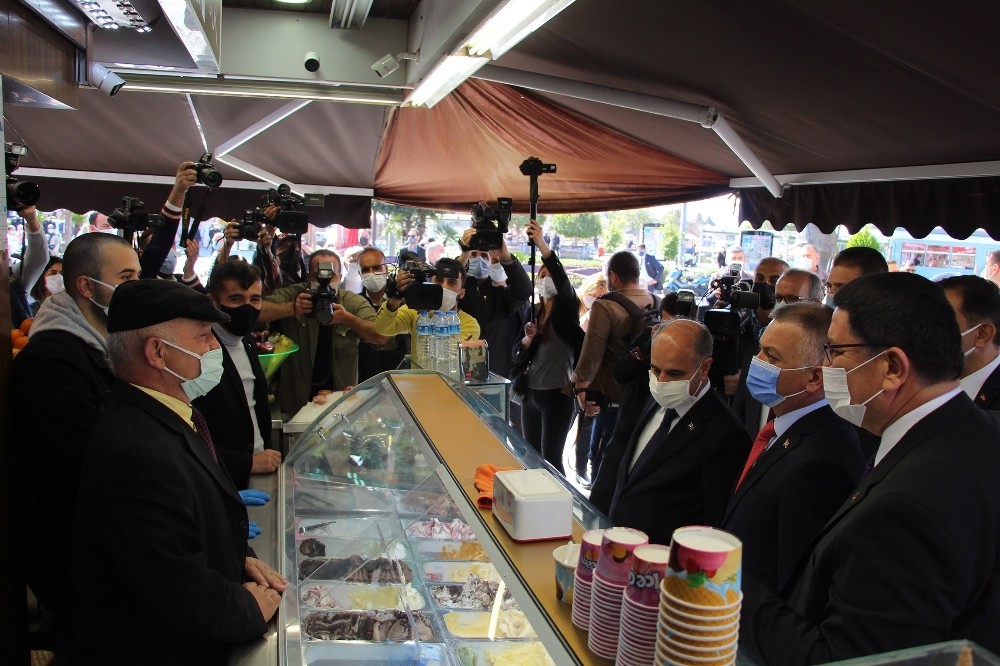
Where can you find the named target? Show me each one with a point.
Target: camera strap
(194, 213)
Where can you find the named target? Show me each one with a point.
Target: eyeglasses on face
(793, 299)
(377, 268)
(829, 349)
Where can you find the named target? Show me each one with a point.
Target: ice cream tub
(705, 567)
(617, 546)
(384, 654)
(432, 549)
(358, 596)
(310, 494)
(503, 653)
(441, 530)
(477, 624)
(374, 529)
(459, 572)
(646, 572)
(336, 547)
(566, 559)
(419, 503)
(590, 552)
(355, 569)
(474, 594)
(376, 626)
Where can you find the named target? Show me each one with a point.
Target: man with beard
(68, 358)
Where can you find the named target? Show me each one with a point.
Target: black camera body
(130, 219)
(735, 292)
(687, 304)
(20, 194)
(490, 223)
(421, 295)
(206, 173)
(323, 296)
(290, 220)
(250, 224)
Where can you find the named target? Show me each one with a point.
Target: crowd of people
(851, 447)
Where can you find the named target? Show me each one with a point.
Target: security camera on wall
(312, 62)
(105, 80)
(389, 63)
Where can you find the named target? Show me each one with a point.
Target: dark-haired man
(67, 360)
(237, 410)
(850, 264)
(373, 359)
(686, 449)
(991, 271)
(328, 355)
(977, 307)
(805, 462)
(395, 317)
(913, 556)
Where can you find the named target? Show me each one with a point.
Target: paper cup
(590, 551)
(646, 572)
(706, 566)
(709, 652)
(699, 642)
(708, 623)
(668, 657)
(617, 546)
(672, 588)
(566, 558)
(674, 624)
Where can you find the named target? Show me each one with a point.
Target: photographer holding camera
(326, 323)
(496, 288)
(396, 316)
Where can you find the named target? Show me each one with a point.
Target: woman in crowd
(547, 355)
(593, 287)
(50, 283)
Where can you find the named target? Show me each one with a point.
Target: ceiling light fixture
(113, 14)
(510, 23)
(218, 86)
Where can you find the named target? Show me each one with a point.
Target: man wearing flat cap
(161, 541)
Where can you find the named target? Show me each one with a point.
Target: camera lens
(209, 177)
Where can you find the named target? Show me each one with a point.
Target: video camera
(323, 297)
(421, 295)
(289, 219)
(687, 304)
(490, 223)
(130, 220)
(737, 293)
(206, 172)
(20, 194)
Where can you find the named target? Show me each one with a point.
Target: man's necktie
(661, 432)
(201, 425)
(765, 435)
(869, 466)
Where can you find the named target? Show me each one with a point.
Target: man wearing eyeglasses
(804, 463)
(373, 359)
(913, 556)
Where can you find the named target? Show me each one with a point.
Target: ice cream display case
(389, 558)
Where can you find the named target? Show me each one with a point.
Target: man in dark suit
(687, 448)
(913, 556)
(804, 463)
(161, 527)
(977, 307)
(652, 270)
(237, 410)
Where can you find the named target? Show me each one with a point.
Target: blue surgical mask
(762, 382)
(479, 267)
(209, 376)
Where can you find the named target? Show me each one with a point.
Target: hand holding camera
(324, 297)
(537, 236)
(185, 178)
(303, 304)
(231, 233)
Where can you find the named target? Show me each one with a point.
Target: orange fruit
(20, 342)
(26, 325)
(16, 333)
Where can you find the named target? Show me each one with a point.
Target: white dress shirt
(656, 419)
(234, 345)
(974, 382)
(904, 423)
(785, 421)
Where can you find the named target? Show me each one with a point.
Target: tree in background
(577, 225)
(671, 238)
(864, 238)
(400, 219)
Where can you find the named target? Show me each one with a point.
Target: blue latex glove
(254, 497)
(253, 530)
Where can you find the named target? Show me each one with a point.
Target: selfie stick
(533, 168)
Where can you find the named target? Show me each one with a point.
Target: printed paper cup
(646, 572)
(676, 625)
(566, 558)
(617, 547)
(590, 551)
(698, 642)
(705, 567)
(707, 623)
(718, 652)
(668, 657)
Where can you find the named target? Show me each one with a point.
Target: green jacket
(295, 375)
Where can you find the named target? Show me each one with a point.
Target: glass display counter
(388, 558)
(495, 389)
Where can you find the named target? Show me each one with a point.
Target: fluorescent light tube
(445, 77)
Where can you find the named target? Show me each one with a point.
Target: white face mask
(546, 287)
(987, 272)
(209, 376)
(448, 299)
(803, 263)
(54, 283)
(497, 273)
(104, 308)
(828, 301)
(373, 282)
(673, 394)
(839, 395)
(971, 349)
(589, 301)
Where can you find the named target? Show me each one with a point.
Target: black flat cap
(142, 303)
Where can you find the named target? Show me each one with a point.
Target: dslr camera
(736, 293)
(323, 297)
(421, 295)
(206, 173)
(250, 224)
(490, 223)
(20, 194)
(130, 219)
(290, 219)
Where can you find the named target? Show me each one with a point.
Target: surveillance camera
(312, 62)
(105, 80)
(386, 65)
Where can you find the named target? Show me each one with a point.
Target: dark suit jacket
(655, 270)
(791, 492)
(685, 478)
(228, 414)
(160, 544)
(989, 395)
(912, 557)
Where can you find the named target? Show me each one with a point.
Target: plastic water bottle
(425, 335)
(454, 338)
(440, 346)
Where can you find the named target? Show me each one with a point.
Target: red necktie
(765, 435)
(201, 425)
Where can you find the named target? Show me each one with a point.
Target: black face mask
(241, 319)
